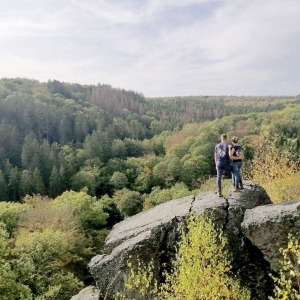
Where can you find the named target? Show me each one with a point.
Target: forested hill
(57, 136)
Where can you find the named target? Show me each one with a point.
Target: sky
(160, 48)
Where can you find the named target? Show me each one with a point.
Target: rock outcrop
(89, 293)
(154, 235)
(268, 227)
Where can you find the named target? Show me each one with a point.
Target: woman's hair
(235, 139)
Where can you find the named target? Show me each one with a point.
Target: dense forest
(58, 136)
(98, 154)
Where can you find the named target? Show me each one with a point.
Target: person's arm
(215, 156)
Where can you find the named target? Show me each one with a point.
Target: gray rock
(149, 235)
(155, 233)
(268, 227)
(89, 293)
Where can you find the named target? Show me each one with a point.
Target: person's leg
(219, 178)
(237, 177)
(240, 182)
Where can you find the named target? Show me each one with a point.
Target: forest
(76, 159)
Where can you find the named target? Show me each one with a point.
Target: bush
(202, 267)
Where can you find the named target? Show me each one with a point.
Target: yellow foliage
(289, 273)
(202, 268)
(274, 167)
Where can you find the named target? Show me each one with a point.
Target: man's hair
(224, 136)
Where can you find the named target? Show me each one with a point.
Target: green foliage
(41, 259)
(128, 202)
(85, 178)
(118, 180)
(10, 214)
(43, 216)
(287, 285)
(88, 210)
(202, 267)
(110, 207)
(10, 289)
(158, 195)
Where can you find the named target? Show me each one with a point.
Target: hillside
(58, 136)
(76, 160)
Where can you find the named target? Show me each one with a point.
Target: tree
(26, 183)
(118, 180)
(40, 262)
(85, 178)
(37, 182)
(10, 288)
(128, 202)
(30, 152)
(3, 187)
(55, 185)
(86, 208)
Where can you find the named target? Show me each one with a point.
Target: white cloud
(159, 48)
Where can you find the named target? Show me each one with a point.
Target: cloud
(159, 48)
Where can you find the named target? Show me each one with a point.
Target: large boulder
(153, 235)
(89, 293)
(268, 227)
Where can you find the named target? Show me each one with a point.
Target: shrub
(202, 267)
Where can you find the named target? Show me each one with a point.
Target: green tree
(37, 182)
(87, 209)
(26, 183)
(55, 185)
(85, 178)
(128, 202)
(10, 288)
(40, 261)
(10, 214)
(118, 180)
(3, 187)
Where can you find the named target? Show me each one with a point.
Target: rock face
(89, 293)
(153, 235)
(268, 227)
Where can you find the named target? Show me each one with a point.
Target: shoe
(220, 194)
(241, 187)
(236, 189)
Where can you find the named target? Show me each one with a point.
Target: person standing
(222, 162)
(237, 155)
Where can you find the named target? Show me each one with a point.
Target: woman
(237, 155)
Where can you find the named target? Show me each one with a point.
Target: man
(222, 161)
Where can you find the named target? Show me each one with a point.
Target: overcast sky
(156, 47)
